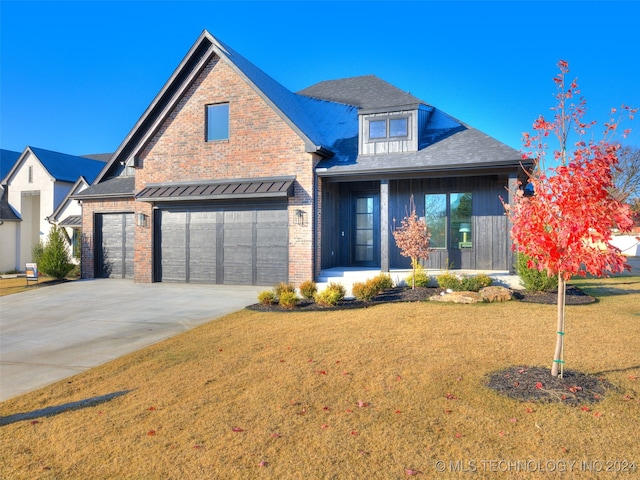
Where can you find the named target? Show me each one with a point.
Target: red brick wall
(260, 144)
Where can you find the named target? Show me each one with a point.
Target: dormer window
(387, 128)
(377, 129)
(398, 127)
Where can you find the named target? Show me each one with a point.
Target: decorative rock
(496, 294)
(458, 297)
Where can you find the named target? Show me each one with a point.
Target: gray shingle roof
(464, 148)
(112, 187)
(367, 92)
(7, 214)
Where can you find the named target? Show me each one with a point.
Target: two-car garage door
(246, 245)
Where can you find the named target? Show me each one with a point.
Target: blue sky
(76, 76)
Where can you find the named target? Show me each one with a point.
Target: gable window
(217, 122)
(30, 174)
(449, 220)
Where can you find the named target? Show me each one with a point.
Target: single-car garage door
(243, 245)
(115, 233)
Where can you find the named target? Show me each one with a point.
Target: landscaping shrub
(365, 291)
(331, 295)
(449, 281)
(283, 287)
(473, 283)
(289, 299)
(383, 282)
(308, 289)
(36, 252)
(267, 297)
(54, 260)
(533, 279)
(421, 277)
(470, 283)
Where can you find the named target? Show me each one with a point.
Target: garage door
(115, 232)
(232, 245)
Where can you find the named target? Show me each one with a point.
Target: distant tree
(626, 178)
(412, 238)
(54, 260)
(565, 227)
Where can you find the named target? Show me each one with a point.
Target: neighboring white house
(9, 219)
(68, 216)
(36, 186)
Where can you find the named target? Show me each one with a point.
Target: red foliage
(565, 227)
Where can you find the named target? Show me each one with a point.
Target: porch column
(512, 188)
(384, 225)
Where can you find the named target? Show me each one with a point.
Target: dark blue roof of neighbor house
(8, 159)
(68, 168)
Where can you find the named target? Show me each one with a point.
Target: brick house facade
(287, 190)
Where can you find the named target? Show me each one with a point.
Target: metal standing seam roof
(218, 190)
(72, 221)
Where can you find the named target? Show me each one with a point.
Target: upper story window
(30, 174)
(388, 128)
(217, 122)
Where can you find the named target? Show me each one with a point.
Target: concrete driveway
(52, 333)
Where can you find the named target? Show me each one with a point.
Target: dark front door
(365, 229)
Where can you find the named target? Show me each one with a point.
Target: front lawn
(381, 393)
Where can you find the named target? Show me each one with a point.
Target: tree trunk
(558, 356)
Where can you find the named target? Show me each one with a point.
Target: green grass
(344, 394)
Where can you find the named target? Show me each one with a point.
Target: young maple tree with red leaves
(565, 226)
(412, 238)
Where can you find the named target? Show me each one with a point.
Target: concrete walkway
(52, 333)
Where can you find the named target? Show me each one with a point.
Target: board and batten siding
(490, 249)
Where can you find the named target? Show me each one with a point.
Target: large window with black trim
(217, 122)
(449, 219)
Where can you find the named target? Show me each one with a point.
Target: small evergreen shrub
(422, 279)
(308, 289)
(36, 252)
(331, 295)
(383, 282)
(533, 279)
(267, 297)
(289, 299)
(284, 287)
(473, 283)
(365, 291)
(54, 260)
(449, 281)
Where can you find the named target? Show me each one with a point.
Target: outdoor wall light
(301, 216)
(141, 220)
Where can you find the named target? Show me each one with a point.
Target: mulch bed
(575, 296)
(535, 384)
